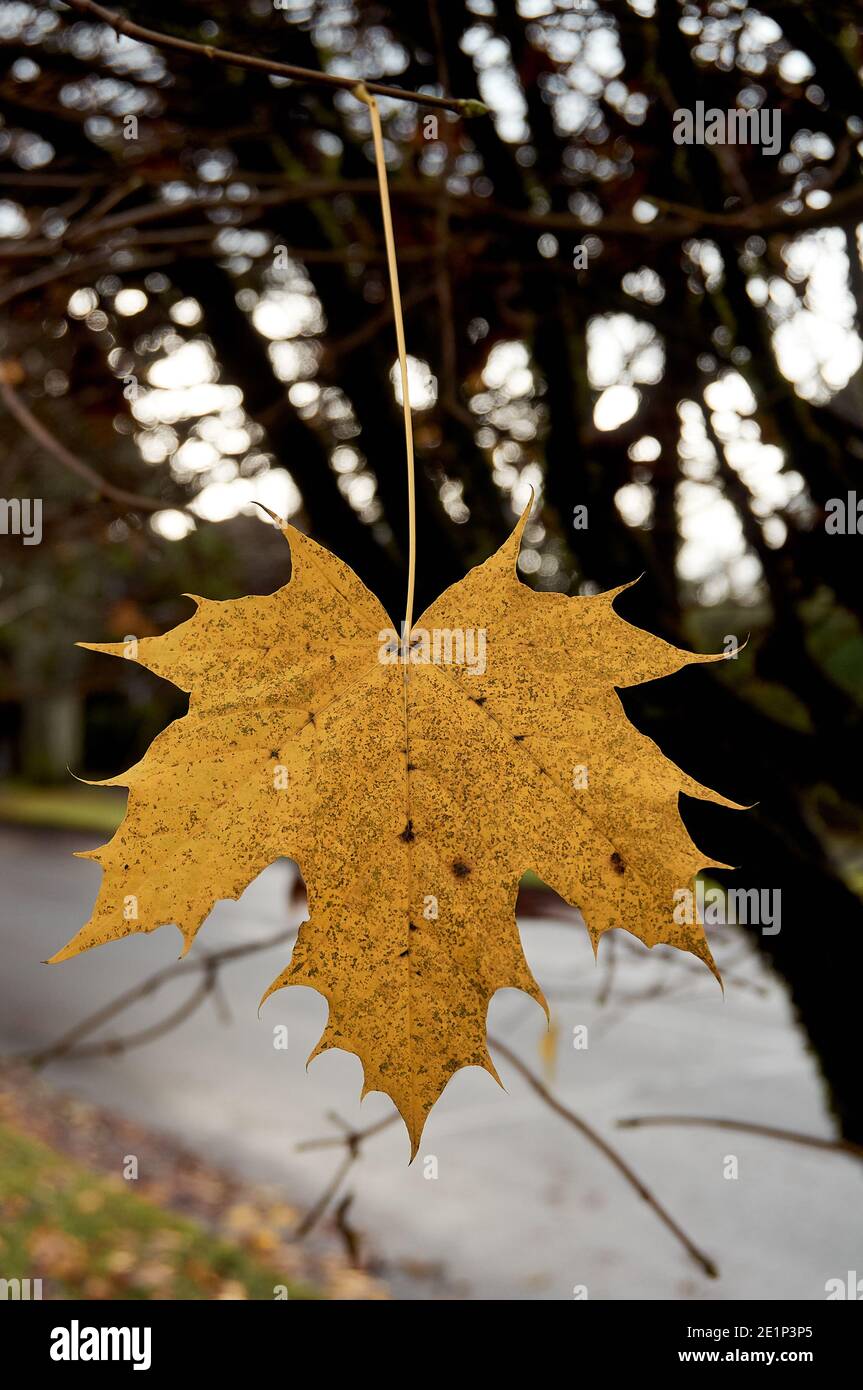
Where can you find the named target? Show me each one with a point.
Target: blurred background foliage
(196, 307)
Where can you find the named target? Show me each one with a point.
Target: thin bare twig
(209, 963)
(120, 25)
(353, 1139)
(611, 1154)
(370, 327)
(106, 203)
(351, 1239)
(23, 284)
(790, 1136)
(314, 1214)
(764, 218)
(32, 179)
(112, 1047)
(53, 446)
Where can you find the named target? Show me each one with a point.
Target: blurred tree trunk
(52, 736)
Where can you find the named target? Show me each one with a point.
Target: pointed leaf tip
(272, 515)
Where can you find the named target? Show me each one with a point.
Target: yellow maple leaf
(413, 794)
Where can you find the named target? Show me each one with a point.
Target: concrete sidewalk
(523, 1206)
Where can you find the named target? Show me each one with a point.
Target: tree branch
(53, 446)
(352, 1140)
(208, 964)
(611, 1154)
(49, 273)
(811, 1141)
(463, 106)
